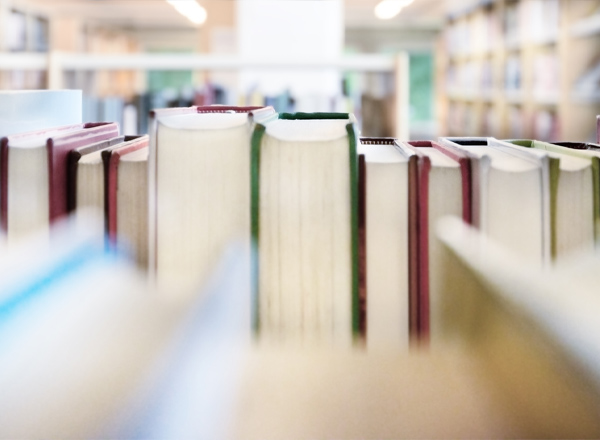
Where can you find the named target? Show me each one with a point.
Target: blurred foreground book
(77, 325)
(86, 350)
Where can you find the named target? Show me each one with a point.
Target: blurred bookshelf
(520, 68)
(122, 77)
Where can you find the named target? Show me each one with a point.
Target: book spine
(466, 178)
(72, 164)
(362, 244)
(4, 184)
(257, 135)
(352, 138)
(58, 150)
(111, 179)
(111, 163)
(423, 203)
(413, 247)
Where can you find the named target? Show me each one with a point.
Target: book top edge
(308, 130)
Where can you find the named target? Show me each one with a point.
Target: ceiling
(158, 14)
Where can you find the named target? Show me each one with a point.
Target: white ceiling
(158, 14)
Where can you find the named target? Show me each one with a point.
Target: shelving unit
(56, 63)
(510, 68)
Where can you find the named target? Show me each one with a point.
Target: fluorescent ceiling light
(387, 9)
(190, 9)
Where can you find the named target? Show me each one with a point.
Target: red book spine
(112, 183)
(465, 170)
(413, 247)
(423, 234)
(58, 150)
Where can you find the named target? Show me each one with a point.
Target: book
(76, 321)
(305, 228)
(199, 370)
(531, 333)
(388, 234)
(591, 152)
(76, 188)
(127, 197)
(510, 198)
(444, 188)
(199, 199)
(574, 196)
(34, 174)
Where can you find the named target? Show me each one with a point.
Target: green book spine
(305, 116)
(554, 176)
(257, 135)
(595, 161)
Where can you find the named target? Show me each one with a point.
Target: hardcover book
(34, 174)
(305, 228)
(199, 199)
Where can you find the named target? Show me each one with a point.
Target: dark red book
(34, 173)
(444, 188)
(112, 159)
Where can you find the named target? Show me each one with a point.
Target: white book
(304, 201)
(510, 195)
(386, 236)
(572, 177)
(199, 199)
(534, 330)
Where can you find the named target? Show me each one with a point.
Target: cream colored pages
(305, 260)
(386, 247)
(28, 193)
(132, 200)
(90, 186)
(445, 198)
(202, 199)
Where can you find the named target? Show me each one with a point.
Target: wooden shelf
(85, 61)
(522, 53)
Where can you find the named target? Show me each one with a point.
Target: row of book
(342, 227)
(344, 246)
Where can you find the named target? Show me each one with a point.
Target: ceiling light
(387, 9)
(190, 9)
